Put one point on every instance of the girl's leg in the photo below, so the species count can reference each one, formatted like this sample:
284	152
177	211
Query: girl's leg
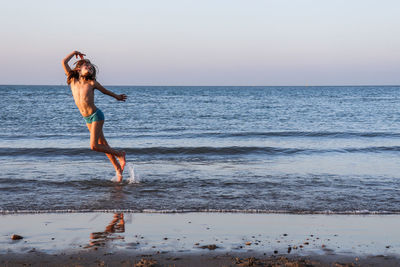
99	143
122	160
96	131
119	166
111	157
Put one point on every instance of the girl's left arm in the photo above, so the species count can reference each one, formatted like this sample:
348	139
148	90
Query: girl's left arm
99	87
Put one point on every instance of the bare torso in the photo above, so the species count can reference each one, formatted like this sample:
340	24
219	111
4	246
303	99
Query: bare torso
83	93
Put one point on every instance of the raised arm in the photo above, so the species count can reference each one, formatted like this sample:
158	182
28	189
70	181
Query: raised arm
65	61
99	87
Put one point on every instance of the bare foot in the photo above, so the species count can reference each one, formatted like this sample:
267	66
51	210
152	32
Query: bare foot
122	161
119	175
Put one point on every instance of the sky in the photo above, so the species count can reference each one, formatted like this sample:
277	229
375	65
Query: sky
204	42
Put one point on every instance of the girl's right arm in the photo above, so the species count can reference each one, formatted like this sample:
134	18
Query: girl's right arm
65	61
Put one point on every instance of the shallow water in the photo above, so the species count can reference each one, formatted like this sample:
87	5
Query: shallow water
251	149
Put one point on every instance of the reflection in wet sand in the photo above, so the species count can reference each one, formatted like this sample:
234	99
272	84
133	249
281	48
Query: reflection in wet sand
117	225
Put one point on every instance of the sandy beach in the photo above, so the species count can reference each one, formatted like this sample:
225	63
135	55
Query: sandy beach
198	239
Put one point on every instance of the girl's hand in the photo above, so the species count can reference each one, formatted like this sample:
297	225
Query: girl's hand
121	97
77	53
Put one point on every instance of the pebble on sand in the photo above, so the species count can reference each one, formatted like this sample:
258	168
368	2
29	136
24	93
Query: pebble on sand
16	237
210	247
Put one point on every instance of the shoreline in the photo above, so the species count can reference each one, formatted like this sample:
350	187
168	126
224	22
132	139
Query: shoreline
210	211
186	238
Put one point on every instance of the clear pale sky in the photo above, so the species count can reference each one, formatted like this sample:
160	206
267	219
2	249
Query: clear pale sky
204	42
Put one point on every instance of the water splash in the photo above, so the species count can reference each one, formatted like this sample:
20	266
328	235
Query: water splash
133	177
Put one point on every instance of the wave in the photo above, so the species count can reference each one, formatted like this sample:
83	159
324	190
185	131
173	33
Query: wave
161	134
184	151
305	134
172	211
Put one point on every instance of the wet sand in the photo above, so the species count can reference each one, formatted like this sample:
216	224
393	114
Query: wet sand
199	239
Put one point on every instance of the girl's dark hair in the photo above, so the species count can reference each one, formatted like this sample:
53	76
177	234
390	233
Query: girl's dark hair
74	74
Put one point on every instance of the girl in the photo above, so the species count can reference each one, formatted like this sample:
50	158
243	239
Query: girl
82	80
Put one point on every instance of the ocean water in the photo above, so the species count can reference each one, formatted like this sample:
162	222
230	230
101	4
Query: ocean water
246	149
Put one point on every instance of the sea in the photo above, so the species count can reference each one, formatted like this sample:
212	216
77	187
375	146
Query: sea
301	150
